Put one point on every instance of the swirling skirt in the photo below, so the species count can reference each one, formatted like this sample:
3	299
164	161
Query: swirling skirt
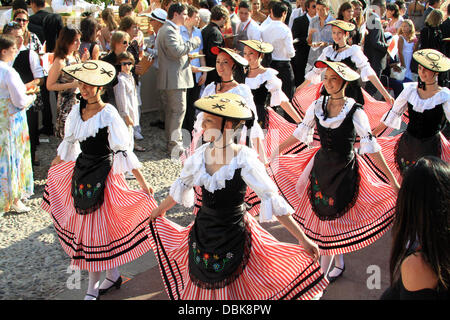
275	270
365	222
113	235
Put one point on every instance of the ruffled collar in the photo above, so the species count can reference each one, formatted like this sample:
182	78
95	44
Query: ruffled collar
337	119
217	180
339	56
81	130
419	104
256	82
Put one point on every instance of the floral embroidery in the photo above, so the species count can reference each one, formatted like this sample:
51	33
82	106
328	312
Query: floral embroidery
211	259
319	198
86	190
405	164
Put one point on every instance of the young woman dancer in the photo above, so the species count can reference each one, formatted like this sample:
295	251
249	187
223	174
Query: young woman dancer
340	202
428	108
100	221
225	254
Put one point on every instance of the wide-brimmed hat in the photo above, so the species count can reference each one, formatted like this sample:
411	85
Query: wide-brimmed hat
344	71
226	105
158	14
263	47
346	26
233	54
432	60
95	73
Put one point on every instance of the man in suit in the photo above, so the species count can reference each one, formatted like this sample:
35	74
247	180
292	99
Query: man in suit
375	46
213	38
300	32
174	75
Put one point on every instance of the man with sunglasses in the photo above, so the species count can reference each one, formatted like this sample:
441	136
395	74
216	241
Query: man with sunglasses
174	74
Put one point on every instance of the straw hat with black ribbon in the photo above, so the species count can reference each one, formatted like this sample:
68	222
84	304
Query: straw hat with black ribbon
346	26
432	60
96	73
262	47
228	106
233	54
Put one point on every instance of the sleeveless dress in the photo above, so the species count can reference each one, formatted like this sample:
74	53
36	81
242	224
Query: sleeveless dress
341	203
355	59
65	100
100	222
225	254
426	118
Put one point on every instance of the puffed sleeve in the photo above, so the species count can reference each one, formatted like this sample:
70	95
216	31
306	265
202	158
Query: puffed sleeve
255	176
393	118
182	189
447	109
362	63
305	130
69	148
368	143
277	96
119	139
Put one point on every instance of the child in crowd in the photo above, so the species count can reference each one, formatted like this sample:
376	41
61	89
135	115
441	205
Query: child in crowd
126	96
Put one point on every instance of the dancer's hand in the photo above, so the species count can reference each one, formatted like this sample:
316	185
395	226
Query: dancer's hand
311	248
148	190
389	99
56	161
157	212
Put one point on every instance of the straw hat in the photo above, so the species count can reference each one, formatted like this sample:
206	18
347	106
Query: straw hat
263	47
344	71
234	55
226	105
432	60
346	26
95	73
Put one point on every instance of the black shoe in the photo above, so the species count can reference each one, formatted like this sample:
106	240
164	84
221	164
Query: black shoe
332	279
46	131
116	284
36	163
95	297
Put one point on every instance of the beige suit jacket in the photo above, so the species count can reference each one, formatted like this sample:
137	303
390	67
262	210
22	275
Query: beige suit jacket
174	66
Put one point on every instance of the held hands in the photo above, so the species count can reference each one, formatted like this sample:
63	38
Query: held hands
157	212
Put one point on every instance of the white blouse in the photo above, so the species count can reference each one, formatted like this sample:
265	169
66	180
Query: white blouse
13	89
253	173
77	130
305	130
357	56
245	92
273	84
393	118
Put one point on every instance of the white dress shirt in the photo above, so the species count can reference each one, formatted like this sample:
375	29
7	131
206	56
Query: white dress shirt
279	36
253	29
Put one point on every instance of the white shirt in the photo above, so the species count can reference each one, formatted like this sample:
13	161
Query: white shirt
12	87
127	101
61	6
266	22
252	28
279	36
297	12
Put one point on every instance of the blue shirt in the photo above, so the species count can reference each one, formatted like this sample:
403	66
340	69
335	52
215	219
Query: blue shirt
195	33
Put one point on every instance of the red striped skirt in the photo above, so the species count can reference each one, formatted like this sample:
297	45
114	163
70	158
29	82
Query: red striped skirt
275	270
113	235
389	146
364	223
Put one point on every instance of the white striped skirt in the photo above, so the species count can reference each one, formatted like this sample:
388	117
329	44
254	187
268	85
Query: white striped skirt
115	234
363	224
275	270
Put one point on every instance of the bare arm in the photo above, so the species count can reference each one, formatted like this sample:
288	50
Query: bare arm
381	163
53	75
141	180
167	204
291	111
377	83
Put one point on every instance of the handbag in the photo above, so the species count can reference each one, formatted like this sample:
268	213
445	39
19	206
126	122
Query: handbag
400	76
145	64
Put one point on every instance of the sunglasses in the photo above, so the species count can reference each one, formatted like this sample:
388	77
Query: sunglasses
21	20
125	42
127	63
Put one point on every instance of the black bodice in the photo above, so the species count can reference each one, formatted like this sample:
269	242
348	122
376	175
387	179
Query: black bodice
427	123
341	139
97	145
261	98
